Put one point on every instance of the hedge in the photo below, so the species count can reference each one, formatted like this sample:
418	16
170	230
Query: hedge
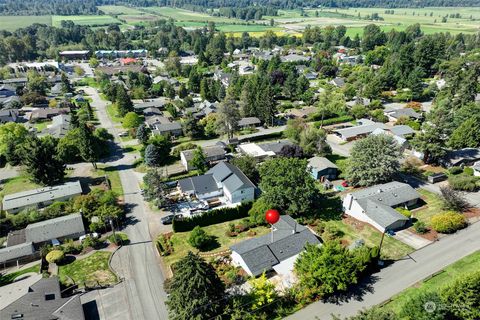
331	121
267	136
448	222
212	217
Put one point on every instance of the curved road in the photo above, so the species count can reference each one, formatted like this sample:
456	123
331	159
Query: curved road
138	262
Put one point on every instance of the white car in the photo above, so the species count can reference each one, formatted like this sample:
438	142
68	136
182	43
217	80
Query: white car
123	134
89	235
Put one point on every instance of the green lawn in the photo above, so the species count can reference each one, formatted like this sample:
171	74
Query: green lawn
42	125
112	113
12	23
181	246
90	270
17	184
87	20
118	10
6	279
187	15
433	206
466	265
391	248
113	177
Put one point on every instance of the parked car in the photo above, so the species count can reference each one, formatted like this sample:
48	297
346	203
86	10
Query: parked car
89	235
123	134
167	219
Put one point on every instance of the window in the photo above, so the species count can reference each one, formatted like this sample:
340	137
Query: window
49	296
17	316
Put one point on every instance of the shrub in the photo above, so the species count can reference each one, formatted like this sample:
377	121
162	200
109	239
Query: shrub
463	182
212	217
183	147
119	238
199	238
55	256
89	242
468	171
71	247
420	227
331	121
455	170
453	200
257	212
448	222
404	212
411	165
331	232
164	245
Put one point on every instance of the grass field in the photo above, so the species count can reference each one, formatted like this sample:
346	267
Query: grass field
113	10
186	15
17	184
12	23
90	270
85	20
451	273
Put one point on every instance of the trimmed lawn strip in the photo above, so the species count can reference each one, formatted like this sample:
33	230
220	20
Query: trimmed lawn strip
91	270
181	245
113	177
112	113
451	273
8	278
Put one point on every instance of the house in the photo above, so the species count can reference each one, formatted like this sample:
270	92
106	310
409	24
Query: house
224	77
8	115
41	197
7	90
59	127
276	251
74	54
365	128
113	70
57	89
151	112
12	255
249	122
65	227
462	157
41	114
154	121
212	153
375	205
246	69
476	169
38	298
402	131
394	115
168	80
322	168
171	129
264	150
338	82
128	60
293	57
111	54
12	102
402	142
153	103
224	179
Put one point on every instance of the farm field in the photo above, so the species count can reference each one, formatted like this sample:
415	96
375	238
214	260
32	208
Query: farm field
114	10
90	20
11	23
186	15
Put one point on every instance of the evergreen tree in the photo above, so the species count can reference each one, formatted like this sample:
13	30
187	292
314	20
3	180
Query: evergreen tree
66	86
153	156
467	135
196	291
124	104
143	133
87	145
40	158
228	115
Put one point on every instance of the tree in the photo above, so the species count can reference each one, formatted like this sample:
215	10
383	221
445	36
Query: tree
88	145
153	156
375	313
143	133
93	62
327	269
209	124
154	187
124	104
286	185
294	129
199	161
199	238
182	91
423	306
191	126
40	158
197	282
36	83
291	151
463	297
467	135
373	160
12	133
131	120
314	142
228	115
262	292
66	86
248	165
453	199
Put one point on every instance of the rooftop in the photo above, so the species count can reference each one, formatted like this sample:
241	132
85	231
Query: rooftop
321	163
55	228
230	176
210	152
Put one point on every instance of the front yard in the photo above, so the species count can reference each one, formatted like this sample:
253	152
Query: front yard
433	206
113	177
17	184
219	231
92	270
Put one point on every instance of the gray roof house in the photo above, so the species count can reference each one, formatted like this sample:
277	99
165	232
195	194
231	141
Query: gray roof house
460	157
402	130
69	226
224	179
13	253
263	150
476	169
338	82
212	153
41	300
375	205
59	127
249	122
277	250
394	115
13	203
321	167
172	129
8	115
355	132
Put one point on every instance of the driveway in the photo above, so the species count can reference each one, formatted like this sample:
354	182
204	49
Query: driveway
339	146
411	239
8	172
106	304
397	277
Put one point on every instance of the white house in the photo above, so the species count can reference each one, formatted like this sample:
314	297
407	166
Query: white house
224	179
277	250
375	205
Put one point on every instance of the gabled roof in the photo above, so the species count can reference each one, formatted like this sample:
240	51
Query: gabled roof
458	156
275	146
321	163
54	228
402	130
476	166
167	127
199	184
230	176
405	112
359	130
289	239
248	121
15	252
210	152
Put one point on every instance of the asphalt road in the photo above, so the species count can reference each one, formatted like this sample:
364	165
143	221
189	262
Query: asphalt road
398	276
137	263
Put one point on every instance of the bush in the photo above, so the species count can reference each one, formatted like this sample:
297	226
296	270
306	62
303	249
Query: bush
455	170
199	238
463	182
55	256
453	199
183	147
212	217
331	232
257	212
89	242
448	222
468	171
331	121
119	238
420	227
70	247
404	212
164	245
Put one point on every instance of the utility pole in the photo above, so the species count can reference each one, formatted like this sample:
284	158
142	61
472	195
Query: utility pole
113	229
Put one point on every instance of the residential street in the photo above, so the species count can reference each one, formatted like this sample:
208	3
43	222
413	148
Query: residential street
399	276
138	262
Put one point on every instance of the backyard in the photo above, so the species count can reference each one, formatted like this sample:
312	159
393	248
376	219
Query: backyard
7	279
17	184
92	270
219	231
